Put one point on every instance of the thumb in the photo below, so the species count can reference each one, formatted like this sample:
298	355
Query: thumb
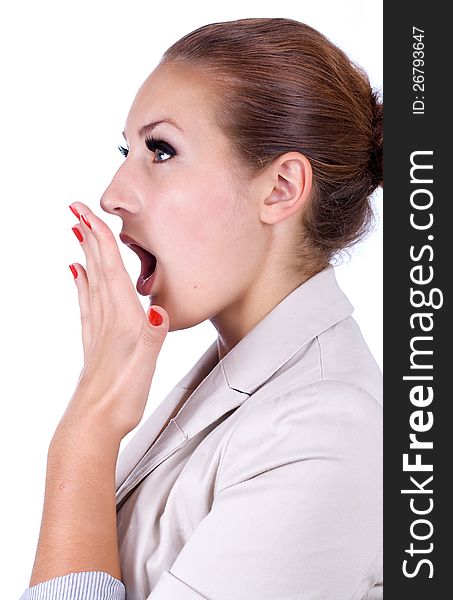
155	327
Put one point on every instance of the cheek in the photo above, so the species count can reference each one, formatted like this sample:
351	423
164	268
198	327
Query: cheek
203	224
198	215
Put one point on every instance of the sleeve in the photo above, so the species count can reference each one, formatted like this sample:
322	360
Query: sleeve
297	509
84	585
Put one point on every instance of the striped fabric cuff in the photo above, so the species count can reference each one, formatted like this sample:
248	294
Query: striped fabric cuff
85	585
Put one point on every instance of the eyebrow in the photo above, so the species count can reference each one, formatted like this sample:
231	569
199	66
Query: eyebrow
150	126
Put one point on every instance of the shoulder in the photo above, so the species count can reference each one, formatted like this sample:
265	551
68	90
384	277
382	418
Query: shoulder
330	420
345	355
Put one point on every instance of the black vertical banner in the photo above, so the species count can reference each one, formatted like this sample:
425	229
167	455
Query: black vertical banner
418	323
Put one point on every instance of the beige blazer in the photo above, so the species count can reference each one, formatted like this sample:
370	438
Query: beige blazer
267	484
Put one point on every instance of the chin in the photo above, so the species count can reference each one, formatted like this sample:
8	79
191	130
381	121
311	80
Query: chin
180	322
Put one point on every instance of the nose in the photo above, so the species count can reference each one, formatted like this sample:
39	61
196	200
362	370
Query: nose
111	200
119	197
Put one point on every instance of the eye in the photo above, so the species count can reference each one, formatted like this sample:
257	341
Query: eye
124	151
159	147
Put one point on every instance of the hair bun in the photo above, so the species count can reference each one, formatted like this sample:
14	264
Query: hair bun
376	163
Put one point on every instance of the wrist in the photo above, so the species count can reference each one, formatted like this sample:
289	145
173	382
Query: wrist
84	435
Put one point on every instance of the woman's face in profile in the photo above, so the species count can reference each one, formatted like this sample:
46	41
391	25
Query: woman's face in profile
179	199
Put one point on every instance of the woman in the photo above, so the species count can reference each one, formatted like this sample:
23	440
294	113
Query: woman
252	150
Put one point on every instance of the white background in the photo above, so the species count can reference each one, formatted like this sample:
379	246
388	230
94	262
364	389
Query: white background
69	73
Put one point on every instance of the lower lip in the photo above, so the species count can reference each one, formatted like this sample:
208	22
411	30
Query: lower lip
144	287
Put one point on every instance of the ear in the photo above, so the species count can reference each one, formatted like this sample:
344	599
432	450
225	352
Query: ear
291	179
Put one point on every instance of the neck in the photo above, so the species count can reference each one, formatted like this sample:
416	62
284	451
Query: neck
236	320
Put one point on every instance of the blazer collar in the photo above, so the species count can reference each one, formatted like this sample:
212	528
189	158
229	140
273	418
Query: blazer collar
307	311
311	308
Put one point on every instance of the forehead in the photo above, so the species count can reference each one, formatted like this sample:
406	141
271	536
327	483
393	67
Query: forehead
175	92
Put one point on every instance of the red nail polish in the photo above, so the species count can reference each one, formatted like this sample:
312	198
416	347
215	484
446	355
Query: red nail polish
75	211
85	220
73	271
78	235
154	317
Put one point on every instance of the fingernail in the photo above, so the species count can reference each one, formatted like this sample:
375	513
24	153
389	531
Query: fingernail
154	317
73	271
85	220
77	233
75	211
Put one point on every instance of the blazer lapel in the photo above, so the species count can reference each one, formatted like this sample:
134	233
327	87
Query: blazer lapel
146	435
143	453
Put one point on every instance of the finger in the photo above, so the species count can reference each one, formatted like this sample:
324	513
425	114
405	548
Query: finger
117	281
94	285
91	248
99	296
81	282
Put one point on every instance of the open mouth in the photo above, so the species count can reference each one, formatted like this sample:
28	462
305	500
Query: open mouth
148	265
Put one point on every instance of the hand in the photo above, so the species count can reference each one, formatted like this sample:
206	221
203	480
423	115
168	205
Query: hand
120	345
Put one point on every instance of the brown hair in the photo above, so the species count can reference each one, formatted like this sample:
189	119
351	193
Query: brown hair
282	86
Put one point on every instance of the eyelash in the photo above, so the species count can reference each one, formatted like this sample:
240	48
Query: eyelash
153	145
